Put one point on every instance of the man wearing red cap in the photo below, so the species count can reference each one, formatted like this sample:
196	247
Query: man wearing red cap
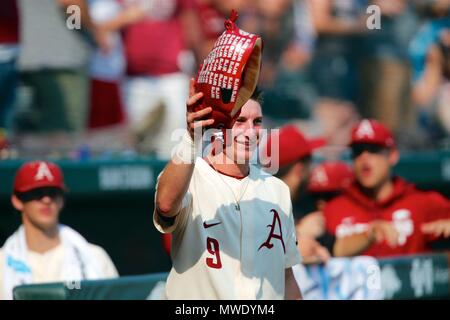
293	168
294	157
381	215
232	224
327	181
42	250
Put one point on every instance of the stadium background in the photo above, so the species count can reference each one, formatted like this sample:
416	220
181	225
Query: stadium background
112	185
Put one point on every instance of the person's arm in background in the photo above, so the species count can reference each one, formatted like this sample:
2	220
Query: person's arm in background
426	88
176	176
99	33
438	219
129	15
439	228
324	21
356	244
312	251
291	289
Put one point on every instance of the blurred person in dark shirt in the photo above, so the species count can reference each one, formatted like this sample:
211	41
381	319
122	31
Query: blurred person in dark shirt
385	68
289	36
340	26
429	52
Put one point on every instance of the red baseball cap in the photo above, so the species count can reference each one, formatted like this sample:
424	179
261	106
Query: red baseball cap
372	132
293	145
38	174
330	177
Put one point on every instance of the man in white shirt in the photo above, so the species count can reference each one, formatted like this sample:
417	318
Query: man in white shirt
42	250
232	224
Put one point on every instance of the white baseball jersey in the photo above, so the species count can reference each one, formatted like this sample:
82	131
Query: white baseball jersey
220	251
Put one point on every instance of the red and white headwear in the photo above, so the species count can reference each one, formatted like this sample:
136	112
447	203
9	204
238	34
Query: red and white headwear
290	145
330	177
229	74
369	131
38	174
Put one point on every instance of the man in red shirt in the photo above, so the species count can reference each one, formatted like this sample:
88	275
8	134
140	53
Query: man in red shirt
381	215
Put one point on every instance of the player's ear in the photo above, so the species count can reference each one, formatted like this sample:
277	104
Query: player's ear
394	156
17	204
62	203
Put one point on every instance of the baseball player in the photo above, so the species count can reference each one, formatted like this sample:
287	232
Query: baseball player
379	214
42	250
232	223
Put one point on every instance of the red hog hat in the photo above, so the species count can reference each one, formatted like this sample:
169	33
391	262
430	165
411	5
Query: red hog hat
229	74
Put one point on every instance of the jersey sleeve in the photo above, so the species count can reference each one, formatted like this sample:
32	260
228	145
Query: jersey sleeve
292	256
170	225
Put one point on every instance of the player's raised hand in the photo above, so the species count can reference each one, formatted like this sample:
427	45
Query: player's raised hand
384	231
438	228
196	119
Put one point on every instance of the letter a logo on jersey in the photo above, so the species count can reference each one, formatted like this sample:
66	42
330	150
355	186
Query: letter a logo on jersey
43	172
272	234
365	130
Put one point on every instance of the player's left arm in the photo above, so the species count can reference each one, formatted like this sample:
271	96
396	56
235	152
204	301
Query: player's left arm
291	289
438	219
439	228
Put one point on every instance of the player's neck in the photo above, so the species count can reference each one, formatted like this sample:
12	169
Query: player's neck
383	191
226	166
40	240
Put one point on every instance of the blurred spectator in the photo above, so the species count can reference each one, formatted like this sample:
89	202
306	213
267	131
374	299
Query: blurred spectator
53	62
295	155
385	68
339	26
42	250
212	15
430	61
158	37
9	50
288	35
106	71
381	215
334	119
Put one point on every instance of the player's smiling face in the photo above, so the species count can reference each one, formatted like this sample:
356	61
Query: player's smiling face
246	131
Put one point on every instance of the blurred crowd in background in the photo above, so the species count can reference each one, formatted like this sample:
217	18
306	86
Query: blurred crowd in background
117	83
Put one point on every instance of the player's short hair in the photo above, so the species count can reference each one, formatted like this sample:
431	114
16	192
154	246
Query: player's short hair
284	170
257	95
